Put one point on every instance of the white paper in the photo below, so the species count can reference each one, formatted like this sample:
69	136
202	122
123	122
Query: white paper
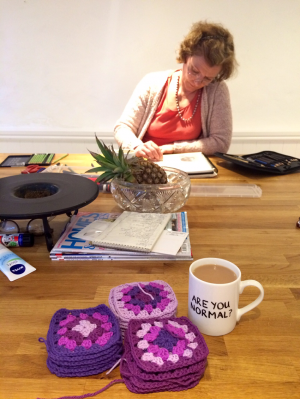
93	230
169	242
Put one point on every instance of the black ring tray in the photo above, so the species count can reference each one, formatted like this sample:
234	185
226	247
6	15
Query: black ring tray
68	193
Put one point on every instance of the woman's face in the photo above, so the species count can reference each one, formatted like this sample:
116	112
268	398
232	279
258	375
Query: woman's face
197	73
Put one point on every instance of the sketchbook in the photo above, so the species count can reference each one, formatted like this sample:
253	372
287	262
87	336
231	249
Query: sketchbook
195	164
134	231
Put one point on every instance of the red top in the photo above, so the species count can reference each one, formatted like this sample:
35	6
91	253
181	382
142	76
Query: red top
166	126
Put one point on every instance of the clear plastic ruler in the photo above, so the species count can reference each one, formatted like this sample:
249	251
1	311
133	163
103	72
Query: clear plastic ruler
226	190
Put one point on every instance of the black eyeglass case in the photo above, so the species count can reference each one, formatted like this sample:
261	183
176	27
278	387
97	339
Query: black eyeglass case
264	161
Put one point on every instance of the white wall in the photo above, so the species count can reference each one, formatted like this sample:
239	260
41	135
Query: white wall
68	67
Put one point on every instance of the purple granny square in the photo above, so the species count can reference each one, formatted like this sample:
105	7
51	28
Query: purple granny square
165	344
143	300
130	368
138	385
83	341
163	355
80	332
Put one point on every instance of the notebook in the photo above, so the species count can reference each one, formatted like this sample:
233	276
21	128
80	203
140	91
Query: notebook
134	231
195	164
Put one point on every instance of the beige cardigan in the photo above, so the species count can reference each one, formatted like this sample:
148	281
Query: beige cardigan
139	111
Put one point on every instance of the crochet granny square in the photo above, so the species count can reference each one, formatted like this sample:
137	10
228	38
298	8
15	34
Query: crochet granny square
142	300
82	342
165	354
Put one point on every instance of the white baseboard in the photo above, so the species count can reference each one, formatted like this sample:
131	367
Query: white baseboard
57	142
247	143
81	142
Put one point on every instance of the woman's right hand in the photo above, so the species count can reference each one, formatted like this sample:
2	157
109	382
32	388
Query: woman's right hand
149	150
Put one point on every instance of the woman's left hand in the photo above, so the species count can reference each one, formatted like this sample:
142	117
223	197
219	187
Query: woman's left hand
167	149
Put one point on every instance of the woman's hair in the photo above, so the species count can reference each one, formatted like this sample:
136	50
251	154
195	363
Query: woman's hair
212	41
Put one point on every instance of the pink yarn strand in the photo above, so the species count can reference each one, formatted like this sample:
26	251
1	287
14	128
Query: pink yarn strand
114	366
90	395
145	292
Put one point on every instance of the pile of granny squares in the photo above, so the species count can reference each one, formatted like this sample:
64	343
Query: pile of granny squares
163	355
160	352
83	342
141	301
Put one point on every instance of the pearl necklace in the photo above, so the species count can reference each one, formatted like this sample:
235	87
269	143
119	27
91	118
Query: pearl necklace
177	104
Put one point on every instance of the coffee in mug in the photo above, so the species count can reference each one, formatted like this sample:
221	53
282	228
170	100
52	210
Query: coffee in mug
215	274
214	289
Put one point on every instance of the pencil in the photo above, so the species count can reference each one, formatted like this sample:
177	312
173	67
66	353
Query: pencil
59	159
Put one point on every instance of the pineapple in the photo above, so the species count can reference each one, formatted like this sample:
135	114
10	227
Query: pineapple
133	170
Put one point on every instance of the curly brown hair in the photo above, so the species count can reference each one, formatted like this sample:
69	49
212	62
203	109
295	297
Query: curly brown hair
212	41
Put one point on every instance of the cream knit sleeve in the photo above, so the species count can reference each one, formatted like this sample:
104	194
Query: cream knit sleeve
127	127
216	118
140	109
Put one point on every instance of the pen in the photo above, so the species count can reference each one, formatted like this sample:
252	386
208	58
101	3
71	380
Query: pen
248	161
266	161
258	161
59	159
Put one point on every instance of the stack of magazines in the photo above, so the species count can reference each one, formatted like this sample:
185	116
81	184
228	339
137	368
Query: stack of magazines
71	247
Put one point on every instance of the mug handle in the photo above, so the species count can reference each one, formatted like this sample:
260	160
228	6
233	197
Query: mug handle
253	304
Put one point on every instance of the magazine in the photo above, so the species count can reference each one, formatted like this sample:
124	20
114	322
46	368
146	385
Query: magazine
71	247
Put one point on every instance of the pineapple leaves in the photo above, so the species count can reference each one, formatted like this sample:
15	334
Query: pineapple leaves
96	170
122	158
117	161
105	177
97	157
106	152
103	161
115	164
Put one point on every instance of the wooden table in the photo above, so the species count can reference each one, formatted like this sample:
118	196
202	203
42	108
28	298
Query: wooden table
259	359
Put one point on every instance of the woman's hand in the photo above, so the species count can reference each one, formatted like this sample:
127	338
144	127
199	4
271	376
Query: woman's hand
167	149
149	150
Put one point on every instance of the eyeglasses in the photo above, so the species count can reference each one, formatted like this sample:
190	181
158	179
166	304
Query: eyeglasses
34	226
197	76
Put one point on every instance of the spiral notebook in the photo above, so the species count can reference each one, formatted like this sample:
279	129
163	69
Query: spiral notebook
134	231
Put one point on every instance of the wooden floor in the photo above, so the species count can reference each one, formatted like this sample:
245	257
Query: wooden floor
259	359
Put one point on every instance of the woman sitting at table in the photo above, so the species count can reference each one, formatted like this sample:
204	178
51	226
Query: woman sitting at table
188	109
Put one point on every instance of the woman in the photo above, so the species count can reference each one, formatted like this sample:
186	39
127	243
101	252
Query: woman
188	109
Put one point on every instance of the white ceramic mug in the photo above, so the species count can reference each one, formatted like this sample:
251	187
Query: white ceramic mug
213	308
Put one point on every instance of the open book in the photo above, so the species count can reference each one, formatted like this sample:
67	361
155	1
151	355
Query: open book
134	231
195	164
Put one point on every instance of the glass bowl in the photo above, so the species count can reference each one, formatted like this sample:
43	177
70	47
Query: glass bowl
153	198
